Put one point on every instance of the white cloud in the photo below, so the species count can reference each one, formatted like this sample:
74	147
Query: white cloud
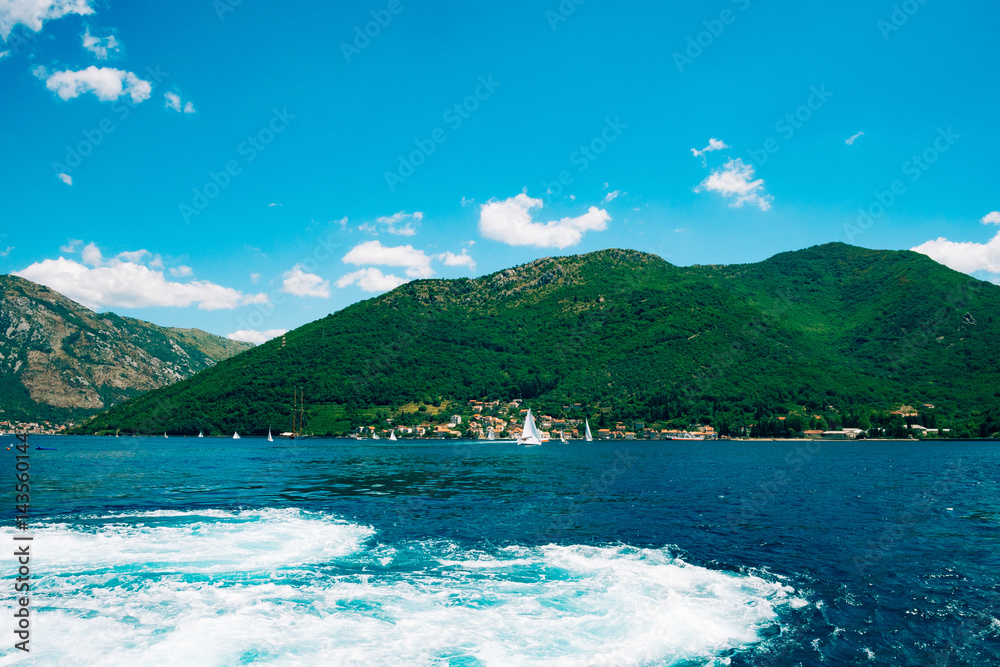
368	228
92	255
462	259
713	145
105	82
965	257
850	140
509	221
32	13
300	283
134	256
371	280
4	54
71	245
273	204
735	180
174	102
6	251
181	271
611	196
256	337
416	262
129	285
156	262
391	223
66	178
101	47
991	218
254	277
466	202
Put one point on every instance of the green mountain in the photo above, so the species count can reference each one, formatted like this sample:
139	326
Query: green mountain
60	360
831	335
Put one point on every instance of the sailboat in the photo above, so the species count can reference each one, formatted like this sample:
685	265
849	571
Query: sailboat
392	436
164	434
236	435
491	436
375	436
298	405
269	438
529	434
201	434
562	437
588	437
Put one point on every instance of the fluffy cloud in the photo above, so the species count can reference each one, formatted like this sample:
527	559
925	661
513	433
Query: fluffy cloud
371	280
992	218
713	145
71	245
392	222
735	180
129	285
300	283
32	13
509	221
182	271
66	178
101	47
850	140
462	259
416	262
92	255
256	337
174	102
964	257
105	82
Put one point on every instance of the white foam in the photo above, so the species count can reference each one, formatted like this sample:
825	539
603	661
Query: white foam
290	587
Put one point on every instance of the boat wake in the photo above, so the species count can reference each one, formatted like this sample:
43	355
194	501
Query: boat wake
294	587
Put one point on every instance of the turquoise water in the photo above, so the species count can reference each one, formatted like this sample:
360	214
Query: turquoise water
213	551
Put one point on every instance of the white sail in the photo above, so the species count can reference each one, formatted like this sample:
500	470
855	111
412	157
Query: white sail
201	434
375	436
164	435
529	434
392	436
236	435
269	438
491	436
562	436
588	436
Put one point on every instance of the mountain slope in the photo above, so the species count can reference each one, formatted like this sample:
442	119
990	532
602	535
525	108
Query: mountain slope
60	360
628	335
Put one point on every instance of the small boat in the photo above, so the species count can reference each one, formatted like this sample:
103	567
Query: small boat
491	436
46	449
165	435
269	438
236	435
562	437
201	434
375	436
529	434
392	436
685	435
587	436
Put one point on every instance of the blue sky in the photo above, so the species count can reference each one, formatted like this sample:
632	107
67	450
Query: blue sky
241	166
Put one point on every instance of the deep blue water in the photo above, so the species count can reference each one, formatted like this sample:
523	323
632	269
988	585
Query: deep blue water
214	551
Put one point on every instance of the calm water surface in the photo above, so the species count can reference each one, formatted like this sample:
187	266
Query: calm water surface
214	551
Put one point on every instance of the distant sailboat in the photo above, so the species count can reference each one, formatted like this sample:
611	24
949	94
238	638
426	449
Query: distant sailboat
236	435
529	434
491	436
164	434
392	436
588	437
201	434
269	438
375	436
562	437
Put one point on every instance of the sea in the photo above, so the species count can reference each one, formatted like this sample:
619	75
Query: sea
211	551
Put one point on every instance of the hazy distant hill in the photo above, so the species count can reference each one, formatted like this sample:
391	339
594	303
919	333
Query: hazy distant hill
59	359
832	330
